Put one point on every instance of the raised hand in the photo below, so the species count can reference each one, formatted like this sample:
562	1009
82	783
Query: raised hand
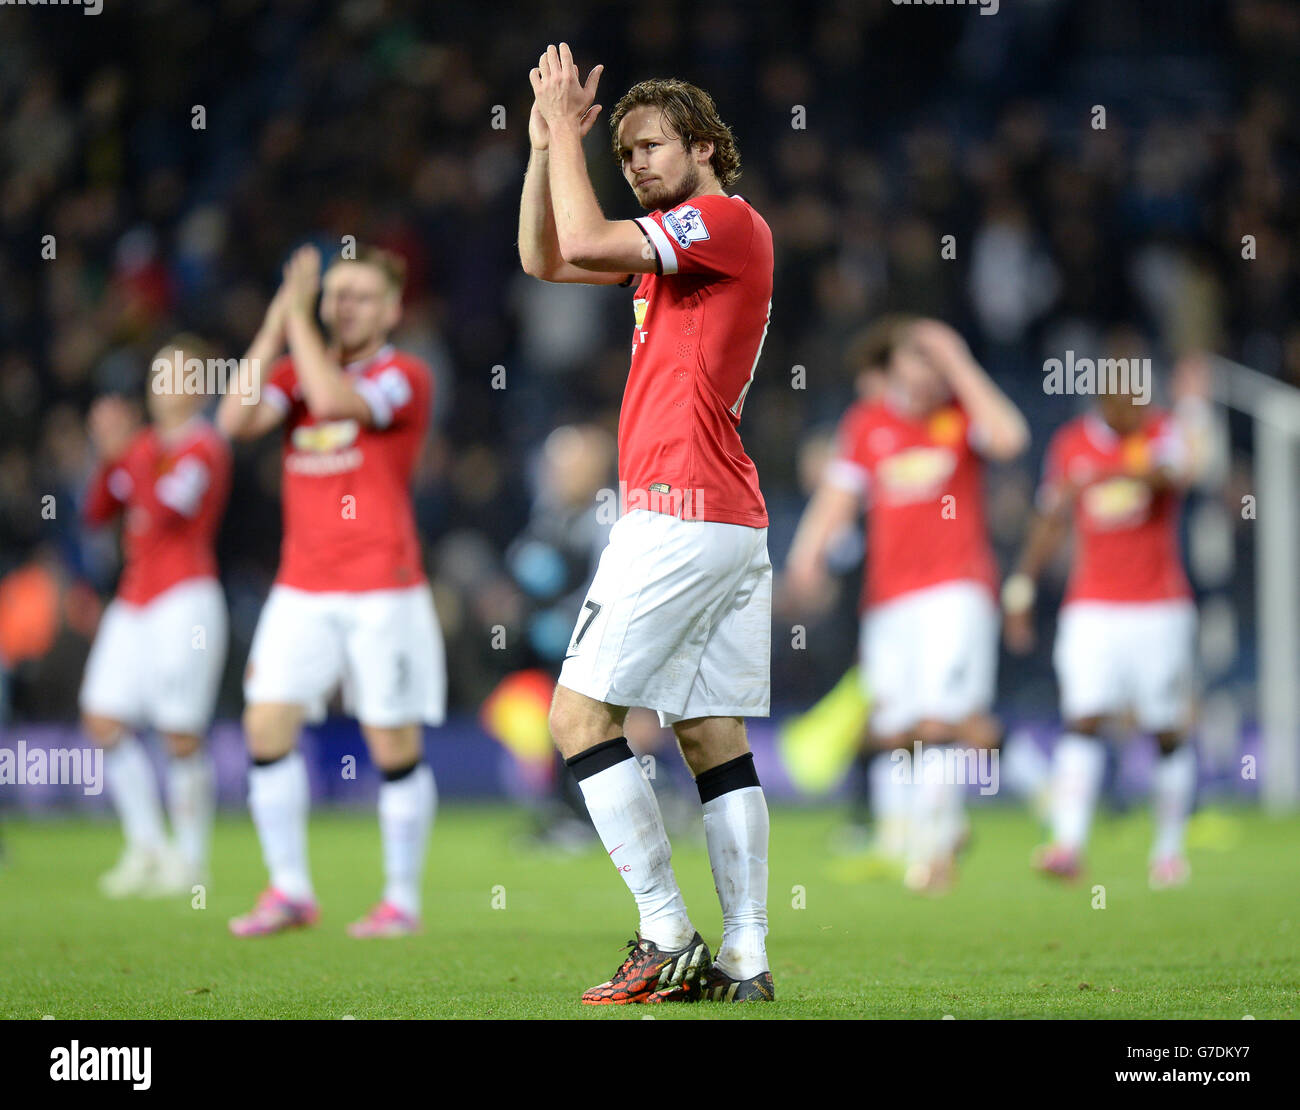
111	424
560	97
301	279
539	135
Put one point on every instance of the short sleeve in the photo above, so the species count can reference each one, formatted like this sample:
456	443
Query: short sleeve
1169	446
280	385
392	392
847	470
707	235
1048	497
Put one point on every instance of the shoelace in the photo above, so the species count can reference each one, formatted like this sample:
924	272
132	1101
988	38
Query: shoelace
634	947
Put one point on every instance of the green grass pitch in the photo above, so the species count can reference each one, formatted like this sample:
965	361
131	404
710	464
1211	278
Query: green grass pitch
1004	943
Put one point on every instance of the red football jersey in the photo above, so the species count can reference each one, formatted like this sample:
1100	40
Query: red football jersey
174	493
700	326
923	484
348	521
1126	536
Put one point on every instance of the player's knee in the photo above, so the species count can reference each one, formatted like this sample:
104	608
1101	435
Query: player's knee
104	732
182	745
890	741
578	723
392	749
561	720
270	730
982	730
931	731
1086	726
693	745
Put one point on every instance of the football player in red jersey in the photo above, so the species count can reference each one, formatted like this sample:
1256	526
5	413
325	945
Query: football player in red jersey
929	616
350	605
1125	641
678	615
160	649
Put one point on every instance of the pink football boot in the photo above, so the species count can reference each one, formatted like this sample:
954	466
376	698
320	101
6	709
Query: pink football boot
1167	872
385	920
274	913
1059	861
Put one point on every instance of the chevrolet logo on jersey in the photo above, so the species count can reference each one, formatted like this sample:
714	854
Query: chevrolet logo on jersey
917	474
330	436
1117	502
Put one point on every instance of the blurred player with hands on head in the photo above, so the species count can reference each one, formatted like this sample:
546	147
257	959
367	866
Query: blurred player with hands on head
913	452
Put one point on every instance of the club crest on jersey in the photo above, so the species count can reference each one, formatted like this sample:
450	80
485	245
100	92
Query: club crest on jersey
1136	453
686	224
945	427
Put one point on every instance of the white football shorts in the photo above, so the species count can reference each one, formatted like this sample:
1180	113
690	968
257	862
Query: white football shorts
678	619
1116	656
383	647
931	654
159	665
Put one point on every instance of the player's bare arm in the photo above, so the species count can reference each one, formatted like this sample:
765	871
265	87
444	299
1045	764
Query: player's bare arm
111	426
237	417
1048	531
112	423
539	248
1002	429
586	239
325	388
832	508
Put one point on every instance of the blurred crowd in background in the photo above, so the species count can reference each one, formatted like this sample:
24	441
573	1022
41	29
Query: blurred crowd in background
176	152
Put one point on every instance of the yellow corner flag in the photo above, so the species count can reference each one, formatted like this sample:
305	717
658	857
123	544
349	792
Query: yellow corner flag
818	746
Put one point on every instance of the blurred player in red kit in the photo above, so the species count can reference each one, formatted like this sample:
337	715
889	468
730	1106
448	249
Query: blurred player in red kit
678	615
1125	640
161	646
929	615
350	605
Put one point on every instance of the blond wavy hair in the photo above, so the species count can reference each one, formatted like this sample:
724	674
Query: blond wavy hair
689	115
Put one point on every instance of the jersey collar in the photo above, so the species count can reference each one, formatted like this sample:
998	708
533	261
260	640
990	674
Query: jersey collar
1103	436
182	433
363	364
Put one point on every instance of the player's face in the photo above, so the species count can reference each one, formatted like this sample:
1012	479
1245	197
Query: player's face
358	306
660	170
1121	412
167	404
917	385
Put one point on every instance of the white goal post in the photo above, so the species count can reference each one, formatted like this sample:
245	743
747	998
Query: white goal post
1274	407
